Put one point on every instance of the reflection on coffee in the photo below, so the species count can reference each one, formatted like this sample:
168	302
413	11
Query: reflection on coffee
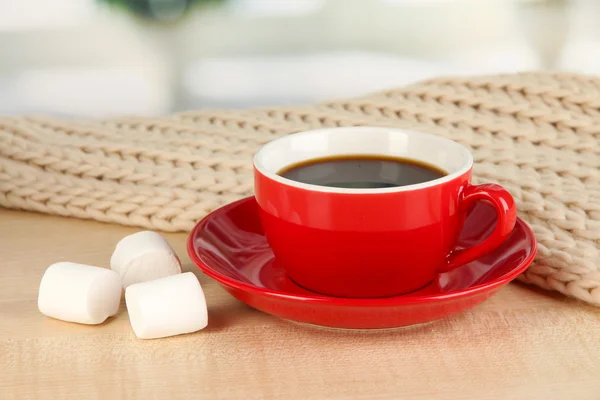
361	172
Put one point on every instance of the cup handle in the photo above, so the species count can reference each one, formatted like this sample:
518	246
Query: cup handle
506	214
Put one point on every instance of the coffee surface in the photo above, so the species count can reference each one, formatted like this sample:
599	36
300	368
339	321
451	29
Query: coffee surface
361	172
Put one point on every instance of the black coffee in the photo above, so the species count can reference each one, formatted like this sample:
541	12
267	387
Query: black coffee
361	172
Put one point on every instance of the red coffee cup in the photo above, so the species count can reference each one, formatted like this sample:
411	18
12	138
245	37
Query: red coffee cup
372	242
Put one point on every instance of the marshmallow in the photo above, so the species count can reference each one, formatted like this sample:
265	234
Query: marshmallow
142	257
79	293
166	307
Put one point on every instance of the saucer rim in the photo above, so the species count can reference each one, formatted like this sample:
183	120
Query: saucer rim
317	298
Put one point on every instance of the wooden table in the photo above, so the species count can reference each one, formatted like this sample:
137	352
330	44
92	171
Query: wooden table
523	343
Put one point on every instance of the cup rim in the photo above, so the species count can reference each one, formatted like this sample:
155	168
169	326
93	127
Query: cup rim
260	167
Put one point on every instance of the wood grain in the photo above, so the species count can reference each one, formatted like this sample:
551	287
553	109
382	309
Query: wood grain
522	343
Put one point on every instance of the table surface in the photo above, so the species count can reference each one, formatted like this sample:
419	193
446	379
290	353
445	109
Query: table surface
522	343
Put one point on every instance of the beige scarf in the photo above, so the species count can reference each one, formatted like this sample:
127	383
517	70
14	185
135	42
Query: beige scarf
536	134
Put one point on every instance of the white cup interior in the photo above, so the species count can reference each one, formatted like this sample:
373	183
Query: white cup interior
438	151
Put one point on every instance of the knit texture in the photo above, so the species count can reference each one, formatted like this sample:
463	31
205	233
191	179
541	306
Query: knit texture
537	134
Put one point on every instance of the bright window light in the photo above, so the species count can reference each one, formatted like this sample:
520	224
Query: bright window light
32	14
276	7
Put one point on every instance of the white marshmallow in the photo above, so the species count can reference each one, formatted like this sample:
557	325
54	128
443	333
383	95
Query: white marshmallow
144	256
166	307
79	293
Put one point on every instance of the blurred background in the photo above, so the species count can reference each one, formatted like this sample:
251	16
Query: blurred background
102	58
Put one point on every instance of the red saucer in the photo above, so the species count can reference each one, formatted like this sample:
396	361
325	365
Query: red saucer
229	246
